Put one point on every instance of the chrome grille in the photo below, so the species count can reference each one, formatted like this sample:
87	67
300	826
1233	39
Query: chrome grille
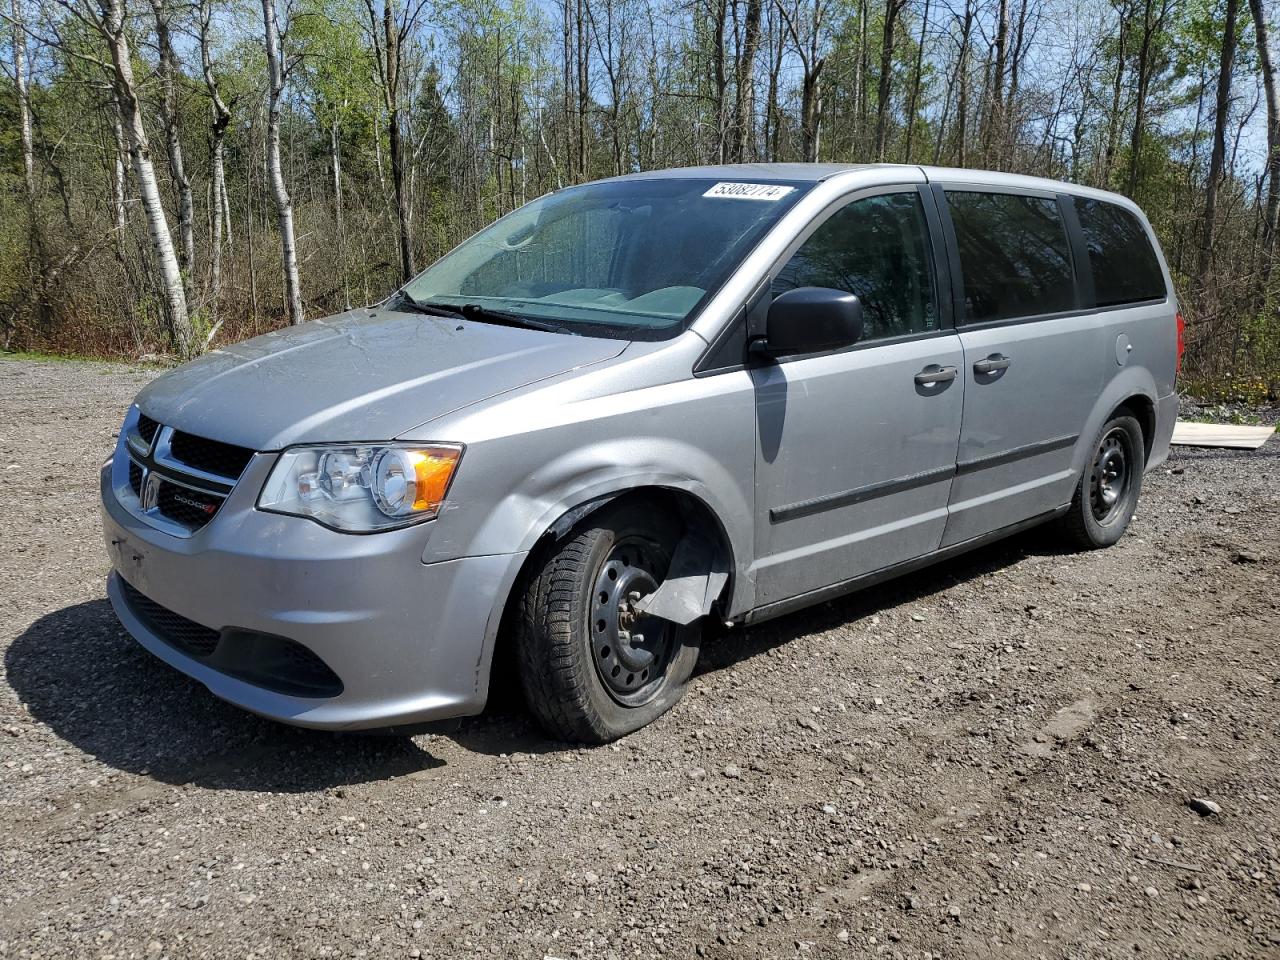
178	481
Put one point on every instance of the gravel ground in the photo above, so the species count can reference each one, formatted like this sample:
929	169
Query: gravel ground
993	758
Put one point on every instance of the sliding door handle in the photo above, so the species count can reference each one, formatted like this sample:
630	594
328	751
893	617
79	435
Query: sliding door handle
997	361
935	374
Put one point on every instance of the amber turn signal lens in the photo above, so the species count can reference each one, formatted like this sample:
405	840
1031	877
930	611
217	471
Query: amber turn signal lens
432	471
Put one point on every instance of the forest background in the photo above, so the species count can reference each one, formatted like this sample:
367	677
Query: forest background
176	174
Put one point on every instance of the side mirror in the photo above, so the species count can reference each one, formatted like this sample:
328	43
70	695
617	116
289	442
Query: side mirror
812	319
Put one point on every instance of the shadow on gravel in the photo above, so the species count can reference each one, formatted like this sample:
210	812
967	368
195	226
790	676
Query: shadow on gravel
723	648
78	672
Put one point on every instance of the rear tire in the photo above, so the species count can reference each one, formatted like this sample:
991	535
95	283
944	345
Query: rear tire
592	671
1107	494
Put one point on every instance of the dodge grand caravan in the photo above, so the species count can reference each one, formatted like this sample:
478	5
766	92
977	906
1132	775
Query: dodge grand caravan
629	407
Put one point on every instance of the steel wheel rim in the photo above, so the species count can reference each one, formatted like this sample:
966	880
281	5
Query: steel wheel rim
631	652
1110	476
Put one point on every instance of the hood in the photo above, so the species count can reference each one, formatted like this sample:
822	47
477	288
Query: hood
363	375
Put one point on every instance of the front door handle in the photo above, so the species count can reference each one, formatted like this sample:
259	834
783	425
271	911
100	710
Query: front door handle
997	361
935	374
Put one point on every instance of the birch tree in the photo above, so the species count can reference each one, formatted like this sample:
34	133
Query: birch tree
219	216
166	74
277	73
109	20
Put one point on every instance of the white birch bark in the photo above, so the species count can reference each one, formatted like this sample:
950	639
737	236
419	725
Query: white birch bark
166	71
219	215
24	102
284	206
109	17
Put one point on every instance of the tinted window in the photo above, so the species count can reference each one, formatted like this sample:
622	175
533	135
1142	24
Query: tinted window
1014	255
877	248
1125	268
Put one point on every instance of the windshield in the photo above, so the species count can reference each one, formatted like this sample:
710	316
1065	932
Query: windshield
629	259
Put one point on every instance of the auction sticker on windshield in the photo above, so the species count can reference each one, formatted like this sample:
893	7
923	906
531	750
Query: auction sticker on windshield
749	191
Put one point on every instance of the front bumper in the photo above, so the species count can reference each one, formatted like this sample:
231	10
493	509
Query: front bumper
410	642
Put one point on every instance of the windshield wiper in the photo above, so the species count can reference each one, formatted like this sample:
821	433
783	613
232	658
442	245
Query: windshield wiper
478	313
481	314
404	300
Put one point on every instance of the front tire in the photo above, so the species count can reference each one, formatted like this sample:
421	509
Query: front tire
1107	494
593	670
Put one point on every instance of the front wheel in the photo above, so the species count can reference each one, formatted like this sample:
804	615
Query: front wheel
1107	495
591	667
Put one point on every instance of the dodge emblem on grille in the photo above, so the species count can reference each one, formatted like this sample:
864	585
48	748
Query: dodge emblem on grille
192	502
150	492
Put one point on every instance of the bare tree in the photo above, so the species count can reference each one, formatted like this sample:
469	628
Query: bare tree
23	90
1217	158
808	40
109	19
1154	14
913	102
277	73
166	73
892	9
1270	227
744	108
994	120
221	120
389	36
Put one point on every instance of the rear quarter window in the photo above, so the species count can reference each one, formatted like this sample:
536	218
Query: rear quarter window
1014	255
1125	266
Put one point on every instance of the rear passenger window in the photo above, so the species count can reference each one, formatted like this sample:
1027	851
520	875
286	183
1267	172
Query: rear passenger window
1125	267
1014	255
876	248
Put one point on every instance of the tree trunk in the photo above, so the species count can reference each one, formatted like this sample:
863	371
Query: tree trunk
284	206
891	10
166	71
391	80
995	100
962	79
1217	158
339	224
220	214
24	103
744	111
112	26
1270	226
1107	160
811	111
914	100
1150	30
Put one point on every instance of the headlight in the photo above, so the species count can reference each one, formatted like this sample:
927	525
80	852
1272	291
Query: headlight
361	488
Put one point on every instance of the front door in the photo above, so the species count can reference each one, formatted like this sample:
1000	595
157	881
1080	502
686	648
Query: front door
856	449
1033	361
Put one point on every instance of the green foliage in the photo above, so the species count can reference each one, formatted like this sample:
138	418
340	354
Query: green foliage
490	116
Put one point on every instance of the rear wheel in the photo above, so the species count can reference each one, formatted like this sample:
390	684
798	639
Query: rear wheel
1107	495
592	668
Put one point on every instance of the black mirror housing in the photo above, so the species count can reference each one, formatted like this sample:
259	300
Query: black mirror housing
812	319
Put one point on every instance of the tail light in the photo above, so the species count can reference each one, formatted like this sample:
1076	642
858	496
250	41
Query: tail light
1182	342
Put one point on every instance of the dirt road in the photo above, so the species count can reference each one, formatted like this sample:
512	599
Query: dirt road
992	758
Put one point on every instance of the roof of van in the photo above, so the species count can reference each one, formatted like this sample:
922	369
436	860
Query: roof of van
816	172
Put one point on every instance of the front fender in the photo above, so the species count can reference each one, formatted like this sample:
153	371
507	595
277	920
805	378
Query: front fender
516	522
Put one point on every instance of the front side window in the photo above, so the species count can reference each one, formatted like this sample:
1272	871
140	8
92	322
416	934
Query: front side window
878	249
628	259
1125	268
1014	255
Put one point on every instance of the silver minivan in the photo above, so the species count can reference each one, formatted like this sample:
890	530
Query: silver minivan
626	409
